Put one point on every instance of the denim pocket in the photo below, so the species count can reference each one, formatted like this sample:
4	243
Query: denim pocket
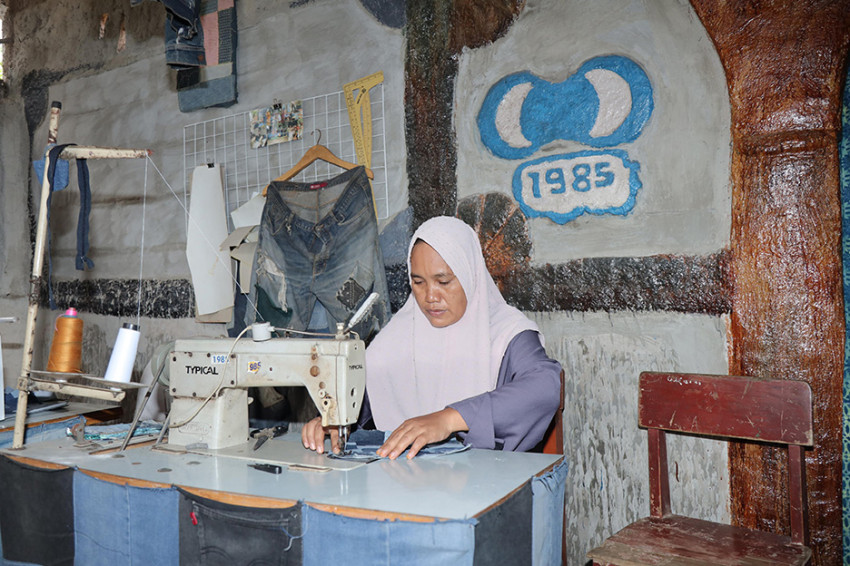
220	534
356	210
276	217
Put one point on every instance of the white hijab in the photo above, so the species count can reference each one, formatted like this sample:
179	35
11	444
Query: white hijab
413	368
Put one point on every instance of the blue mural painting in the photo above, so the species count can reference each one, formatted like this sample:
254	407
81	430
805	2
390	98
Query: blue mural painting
607	102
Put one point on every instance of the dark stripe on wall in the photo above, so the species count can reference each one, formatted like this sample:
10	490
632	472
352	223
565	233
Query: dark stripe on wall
169	298
685	284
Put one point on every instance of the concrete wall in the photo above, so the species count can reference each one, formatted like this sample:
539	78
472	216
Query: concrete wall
289	50
683	151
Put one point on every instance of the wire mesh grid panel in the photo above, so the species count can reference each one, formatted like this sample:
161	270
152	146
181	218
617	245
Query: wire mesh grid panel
247	170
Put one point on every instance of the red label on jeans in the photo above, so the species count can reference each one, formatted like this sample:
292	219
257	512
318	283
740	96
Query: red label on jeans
315	186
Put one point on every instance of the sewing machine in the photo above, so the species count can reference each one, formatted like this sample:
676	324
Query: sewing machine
209	380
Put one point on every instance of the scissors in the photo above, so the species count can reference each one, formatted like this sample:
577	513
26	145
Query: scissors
266	433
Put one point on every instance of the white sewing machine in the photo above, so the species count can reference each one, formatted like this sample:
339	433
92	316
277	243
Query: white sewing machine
209	380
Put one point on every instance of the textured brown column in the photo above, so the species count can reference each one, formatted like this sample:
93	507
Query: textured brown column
436	32
784	66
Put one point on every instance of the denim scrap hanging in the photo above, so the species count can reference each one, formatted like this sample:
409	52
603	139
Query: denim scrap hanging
200	44
55	179
214	83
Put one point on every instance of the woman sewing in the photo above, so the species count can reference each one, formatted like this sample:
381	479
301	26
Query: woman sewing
456	358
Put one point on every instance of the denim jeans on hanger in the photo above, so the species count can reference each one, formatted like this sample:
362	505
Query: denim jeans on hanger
319	241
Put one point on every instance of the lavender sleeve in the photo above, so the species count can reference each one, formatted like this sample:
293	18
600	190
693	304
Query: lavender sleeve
515	415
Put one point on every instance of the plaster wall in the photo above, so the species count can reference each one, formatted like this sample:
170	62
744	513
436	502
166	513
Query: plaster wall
14	238
607	482
683	151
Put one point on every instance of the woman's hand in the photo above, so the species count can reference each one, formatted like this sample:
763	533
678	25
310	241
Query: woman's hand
313	436
419	431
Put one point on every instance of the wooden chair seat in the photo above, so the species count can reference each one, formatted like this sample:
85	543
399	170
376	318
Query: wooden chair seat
686	541
735	408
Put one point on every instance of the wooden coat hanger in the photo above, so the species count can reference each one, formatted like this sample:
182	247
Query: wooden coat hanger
318	151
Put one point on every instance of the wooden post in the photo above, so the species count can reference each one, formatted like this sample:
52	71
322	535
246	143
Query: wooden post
784	66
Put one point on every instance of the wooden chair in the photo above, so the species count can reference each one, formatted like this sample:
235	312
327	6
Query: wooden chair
553	440
743	408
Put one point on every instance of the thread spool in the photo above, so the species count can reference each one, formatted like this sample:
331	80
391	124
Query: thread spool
67	346
261	331
123	356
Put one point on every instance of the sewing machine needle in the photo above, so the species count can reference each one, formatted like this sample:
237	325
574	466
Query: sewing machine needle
343	438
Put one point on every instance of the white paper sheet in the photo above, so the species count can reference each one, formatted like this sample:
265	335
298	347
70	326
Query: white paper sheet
209	265
250	213
242	245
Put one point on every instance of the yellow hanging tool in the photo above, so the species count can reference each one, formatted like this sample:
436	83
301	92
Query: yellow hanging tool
360	114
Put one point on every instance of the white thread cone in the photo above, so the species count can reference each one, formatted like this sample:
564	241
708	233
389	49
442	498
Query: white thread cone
123	356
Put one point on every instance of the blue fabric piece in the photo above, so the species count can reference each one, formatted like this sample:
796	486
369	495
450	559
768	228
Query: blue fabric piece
363	444
37	513
6	562
185	10
62	172
42	432
548	515
213	84
220	92
53	158
503	534
844	164
82	260
367	541
184	37
34	403
122	524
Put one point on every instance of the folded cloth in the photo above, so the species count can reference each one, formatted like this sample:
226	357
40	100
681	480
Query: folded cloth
362	445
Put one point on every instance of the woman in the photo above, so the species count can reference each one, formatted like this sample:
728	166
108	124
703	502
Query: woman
456	358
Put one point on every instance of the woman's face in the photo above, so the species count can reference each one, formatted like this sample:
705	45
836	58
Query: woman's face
436	289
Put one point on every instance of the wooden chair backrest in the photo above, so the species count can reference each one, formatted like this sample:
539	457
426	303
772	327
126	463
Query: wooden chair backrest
553	441
733	407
